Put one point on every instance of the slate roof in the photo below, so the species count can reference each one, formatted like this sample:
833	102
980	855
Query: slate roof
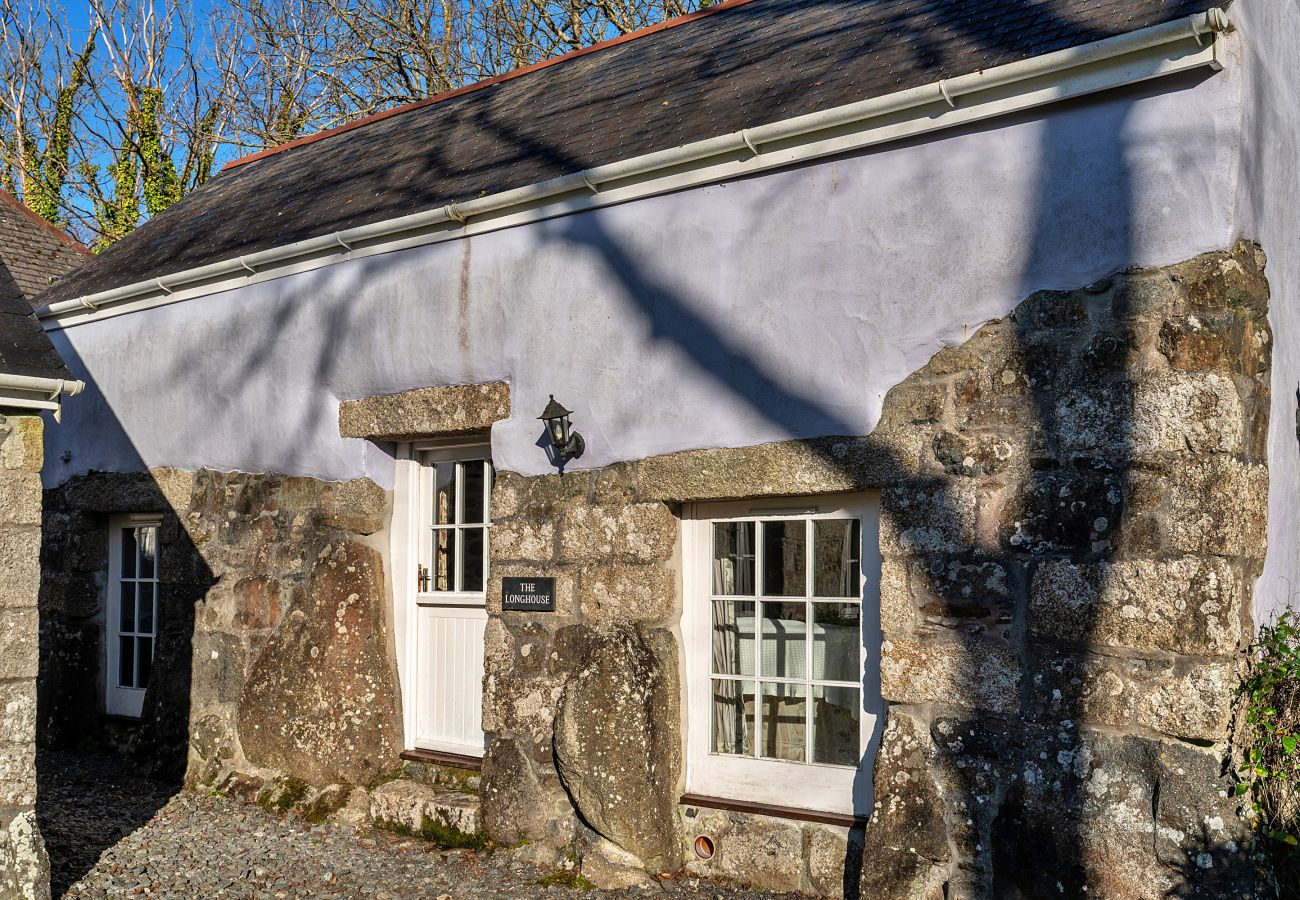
32	254
746	63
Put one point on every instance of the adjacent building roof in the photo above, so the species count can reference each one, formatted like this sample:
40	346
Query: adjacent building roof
733	66
33	254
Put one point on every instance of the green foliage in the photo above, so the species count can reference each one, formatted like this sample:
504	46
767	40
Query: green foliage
1270	771
48	169
162	186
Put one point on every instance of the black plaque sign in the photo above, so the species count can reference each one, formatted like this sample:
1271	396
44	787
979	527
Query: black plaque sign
528	594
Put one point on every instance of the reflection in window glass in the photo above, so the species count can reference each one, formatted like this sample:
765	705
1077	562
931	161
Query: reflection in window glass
146	607
837	641
444	560
126	662
126	621
837	713
785	558
733	717
733	637
837	565
128	552
145	656
475	510
784	721
444	493
148	538
785	646
733	559
472	577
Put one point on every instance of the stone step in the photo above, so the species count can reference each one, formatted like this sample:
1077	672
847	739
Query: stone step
415	805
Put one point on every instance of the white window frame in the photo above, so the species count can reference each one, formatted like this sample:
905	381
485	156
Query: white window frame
119	700
412	547
801	785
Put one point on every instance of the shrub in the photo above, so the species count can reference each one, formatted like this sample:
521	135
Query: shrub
1270	769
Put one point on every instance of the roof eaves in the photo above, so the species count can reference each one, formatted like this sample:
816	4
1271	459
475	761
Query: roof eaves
52	229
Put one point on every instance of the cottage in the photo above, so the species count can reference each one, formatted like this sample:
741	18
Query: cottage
822	444
32	379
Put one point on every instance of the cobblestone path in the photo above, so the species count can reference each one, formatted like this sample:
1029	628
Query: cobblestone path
112	833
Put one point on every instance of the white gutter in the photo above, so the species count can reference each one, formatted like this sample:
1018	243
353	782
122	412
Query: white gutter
27	392
1148	53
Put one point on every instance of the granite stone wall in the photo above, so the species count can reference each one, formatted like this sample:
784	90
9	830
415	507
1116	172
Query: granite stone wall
274	657
1066	593
1073	510
24	868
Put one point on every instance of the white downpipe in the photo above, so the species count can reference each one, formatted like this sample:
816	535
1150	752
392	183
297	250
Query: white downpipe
530	202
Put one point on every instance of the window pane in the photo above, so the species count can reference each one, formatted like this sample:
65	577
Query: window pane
837	546
126	616
733	558
475	509
444	559
128	552
784	645
148	551
145	618
145	650
733	717
836	718
785	558
784	721
837	642
444	493
471	578
733	637
126	662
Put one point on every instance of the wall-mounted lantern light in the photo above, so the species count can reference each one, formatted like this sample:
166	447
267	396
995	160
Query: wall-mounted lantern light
566	443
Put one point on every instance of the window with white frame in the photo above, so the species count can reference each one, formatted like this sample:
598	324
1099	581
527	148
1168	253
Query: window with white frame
778	693
458	491
132	625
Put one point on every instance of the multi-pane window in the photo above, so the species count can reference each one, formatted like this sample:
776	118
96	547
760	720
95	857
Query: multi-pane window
131	629
137	605
781	622
786	613
456	547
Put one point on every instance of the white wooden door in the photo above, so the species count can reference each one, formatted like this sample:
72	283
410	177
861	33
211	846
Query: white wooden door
450	608
449	676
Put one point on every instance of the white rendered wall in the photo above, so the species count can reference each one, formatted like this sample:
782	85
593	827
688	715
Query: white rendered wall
1270	201
774	307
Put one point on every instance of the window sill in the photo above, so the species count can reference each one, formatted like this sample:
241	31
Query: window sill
776	812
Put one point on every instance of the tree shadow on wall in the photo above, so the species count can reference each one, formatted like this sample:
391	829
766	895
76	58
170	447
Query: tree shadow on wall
99	777
1007	809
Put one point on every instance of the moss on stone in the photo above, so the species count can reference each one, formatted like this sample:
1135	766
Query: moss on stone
289	794
381	780
327	803
442	834
570	878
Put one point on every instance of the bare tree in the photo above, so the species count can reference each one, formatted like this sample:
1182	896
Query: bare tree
101	130
41	78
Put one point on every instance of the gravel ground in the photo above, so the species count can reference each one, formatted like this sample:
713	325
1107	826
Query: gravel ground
113	833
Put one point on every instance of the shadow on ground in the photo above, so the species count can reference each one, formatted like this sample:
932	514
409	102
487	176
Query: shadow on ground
86	803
